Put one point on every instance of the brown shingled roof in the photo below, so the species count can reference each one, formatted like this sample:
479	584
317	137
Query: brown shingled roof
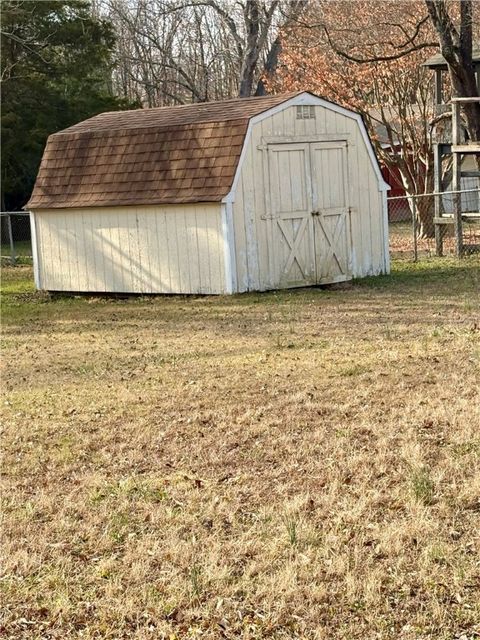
147	156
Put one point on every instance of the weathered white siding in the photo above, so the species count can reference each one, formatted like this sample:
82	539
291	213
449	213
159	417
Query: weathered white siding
253	207
149	249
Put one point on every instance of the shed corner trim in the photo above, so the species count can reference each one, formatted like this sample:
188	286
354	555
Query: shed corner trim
229	246
36	265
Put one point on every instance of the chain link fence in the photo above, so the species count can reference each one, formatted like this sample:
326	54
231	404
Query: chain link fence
16	242
420	228
416	229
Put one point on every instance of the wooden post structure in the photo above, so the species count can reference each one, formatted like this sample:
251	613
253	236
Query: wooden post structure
459	148
456	179
438	87
437	187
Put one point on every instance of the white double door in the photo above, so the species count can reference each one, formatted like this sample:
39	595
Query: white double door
309	221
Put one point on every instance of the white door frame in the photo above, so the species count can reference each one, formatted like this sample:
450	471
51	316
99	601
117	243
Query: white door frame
314	223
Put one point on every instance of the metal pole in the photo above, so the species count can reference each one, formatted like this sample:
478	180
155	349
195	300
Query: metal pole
10	239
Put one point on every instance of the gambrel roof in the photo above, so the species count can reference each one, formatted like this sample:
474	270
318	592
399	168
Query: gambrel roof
163	155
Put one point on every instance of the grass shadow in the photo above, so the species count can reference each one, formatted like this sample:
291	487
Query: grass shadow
456	276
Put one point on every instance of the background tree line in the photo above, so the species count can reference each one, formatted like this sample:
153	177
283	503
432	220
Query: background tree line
56	70
66	60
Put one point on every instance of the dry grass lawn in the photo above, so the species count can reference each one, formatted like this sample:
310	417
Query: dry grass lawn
302	464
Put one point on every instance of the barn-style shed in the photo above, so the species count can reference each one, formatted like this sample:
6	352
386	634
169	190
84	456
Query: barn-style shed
241	195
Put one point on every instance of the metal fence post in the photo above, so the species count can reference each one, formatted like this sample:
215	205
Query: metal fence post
414	230
10	239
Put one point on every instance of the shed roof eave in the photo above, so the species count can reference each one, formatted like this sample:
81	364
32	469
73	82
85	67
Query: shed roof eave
38	208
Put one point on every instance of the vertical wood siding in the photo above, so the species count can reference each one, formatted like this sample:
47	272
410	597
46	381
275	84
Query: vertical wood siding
164	249
252	207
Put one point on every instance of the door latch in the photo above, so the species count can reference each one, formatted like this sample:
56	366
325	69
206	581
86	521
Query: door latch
315	213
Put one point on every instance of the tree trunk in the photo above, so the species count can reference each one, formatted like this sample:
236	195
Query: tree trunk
421	207
250	61
271	64
425	210
456	48
294	10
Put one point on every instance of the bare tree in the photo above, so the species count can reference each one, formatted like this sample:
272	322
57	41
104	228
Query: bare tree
175	52
257	30
295	8
164	56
